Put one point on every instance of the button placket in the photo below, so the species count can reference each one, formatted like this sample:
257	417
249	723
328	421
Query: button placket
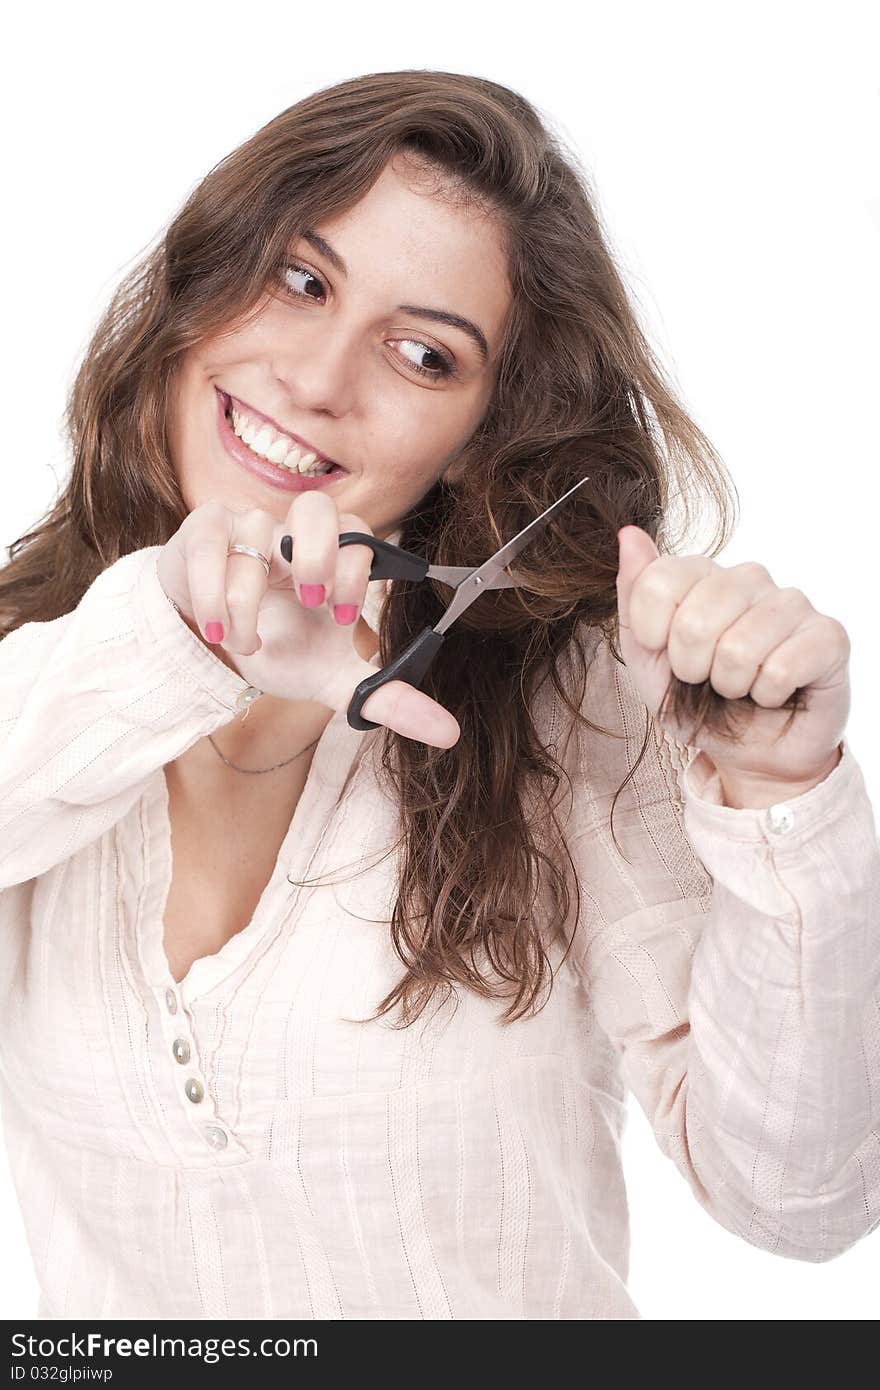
182	1047
183	1050
196	1092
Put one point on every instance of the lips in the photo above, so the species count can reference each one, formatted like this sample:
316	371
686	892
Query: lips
254	414
280	479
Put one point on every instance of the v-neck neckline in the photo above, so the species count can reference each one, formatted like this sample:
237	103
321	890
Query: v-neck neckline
334	757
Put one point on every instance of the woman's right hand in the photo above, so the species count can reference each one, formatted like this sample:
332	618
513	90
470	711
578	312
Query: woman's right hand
270	637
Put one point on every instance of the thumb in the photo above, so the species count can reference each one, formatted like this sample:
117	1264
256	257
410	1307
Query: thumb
409	711
397	704
636	551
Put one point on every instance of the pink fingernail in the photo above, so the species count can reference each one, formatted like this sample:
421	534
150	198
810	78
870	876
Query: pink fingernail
345	612
312	594
214	632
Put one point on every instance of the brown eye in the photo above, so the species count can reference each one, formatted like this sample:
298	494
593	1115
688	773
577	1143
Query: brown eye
291	268
442	367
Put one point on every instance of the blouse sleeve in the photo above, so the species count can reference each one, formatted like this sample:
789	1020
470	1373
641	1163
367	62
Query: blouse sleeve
733	958
91	704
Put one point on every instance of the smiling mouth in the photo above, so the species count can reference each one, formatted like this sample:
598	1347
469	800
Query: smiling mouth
273	445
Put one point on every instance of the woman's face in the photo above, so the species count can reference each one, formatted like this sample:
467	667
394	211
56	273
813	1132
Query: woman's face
339	366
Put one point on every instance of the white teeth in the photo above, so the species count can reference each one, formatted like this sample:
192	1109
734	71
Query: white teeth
277	452
276	448
262	442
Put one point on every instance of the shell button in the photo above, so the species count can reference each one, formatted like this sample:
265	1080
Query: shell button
780	818
245	698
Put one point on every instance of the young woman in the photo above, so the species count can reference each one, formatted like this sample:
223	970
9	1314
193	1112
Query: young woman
300	1021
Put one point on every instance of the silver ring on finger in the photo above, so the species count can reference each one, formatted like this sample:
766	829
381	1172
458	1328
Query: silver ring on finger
249	550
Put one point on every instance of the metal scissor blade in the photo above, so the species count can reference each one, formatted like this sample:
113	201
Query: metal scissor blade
453	575
482	578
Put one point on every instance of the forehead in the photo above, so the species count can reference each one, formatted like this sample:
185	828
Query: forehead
416	238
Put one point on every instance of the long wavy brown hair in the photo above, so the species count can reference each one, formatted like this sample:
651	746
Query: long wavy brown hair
578	391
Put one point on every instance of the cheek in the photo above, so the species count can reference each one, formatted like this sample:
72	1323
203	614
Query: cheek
195	450
423	430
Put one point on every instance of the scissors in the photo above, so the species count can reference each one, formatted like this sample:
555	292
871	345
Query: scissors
390	562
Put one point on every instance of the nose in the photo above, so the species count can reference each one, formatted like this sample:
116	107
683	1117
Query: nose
318	372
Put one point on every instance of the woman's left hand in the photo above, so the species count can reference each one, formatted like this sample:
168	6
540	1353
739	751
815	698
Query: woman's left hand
689	617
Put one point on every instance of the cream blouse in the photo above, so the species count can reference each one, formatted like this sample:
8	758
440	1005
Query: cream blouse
236	1146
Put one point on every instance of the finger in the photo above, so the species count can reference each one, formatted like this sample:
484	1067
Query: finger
411	712
813	655
748	642
398	705
656	593
313	523
204	558
712	606
636	551
246	578
353	565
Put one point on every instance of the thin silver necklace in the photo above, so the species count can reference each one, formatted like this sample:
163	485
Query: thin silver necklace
258	770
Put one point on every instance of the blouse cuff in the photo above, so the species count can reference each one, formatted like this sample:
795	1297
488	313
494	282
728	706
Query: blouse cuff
785	825
185	653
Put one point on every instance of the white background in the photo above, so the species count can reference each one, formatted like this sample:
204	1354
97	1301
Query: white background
733	148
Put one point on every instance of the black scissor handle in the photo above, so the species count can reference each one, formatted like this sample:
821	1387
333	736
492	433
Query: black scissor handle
409	666
389	561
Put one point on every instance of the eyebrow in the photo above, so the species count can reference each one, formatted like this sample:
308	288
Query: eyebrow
435	315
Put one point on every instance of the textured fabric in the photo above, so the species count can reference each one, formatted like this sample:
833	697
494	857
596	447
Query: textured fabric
725	970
